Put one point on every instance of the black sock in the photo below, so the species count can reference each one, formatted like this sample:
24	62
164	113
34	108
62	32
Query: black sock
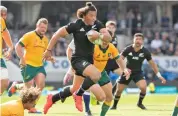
114	88
87	83
141	97
116	100
62	94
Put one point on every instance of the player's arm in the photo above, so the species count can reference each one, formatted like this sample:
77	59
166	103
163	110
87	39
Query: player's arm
154	66
120	61
156	70
61	33
19	48
7	38
105	35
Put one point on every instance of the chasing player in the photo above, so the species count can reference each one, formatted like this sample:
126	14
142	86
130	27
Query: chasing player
135	55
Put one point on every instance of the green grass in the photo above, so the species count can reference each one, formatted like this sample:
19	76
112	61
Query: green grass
157	105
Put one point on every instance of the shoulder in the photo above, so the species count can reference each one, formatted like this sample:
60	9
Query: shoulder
129	47
29	33
145	50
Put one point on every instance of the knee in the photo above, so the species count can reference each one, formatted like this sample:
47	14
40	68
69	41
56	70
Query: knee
143	89
101	98
109	99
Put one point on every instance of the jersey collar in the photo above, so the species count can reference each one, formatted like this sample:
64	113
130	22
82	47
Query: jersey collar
41	37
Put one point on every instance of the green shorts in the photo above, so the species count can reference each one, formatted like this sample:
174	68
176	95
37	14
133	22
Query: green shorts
29	72
2	64
104	79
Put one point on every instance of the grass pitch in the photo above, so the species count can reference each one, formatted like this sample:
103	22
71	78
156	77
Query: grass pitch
157	105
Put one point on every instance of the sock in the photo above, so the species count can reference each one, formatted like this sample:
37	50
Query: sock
114	88
175	112
86	98
141	97
62	94
19	86
87	83
105	108
116	100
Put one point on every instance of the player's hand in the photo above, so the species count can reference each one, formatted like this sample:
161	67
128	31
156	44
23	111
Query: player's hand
47	54
7	54
52	59
162	80
67	78
93	35
22	62
127	73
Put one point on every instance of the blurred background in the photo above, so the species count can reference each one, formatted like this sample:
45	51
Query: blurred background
157	20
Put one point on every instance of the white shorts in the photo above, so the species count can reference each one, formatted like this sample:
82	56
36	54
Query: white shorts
3	73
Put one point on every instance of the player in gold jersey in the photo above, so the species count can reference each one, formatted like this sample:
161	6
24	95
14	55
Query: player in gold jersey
34	44
17	107
5	35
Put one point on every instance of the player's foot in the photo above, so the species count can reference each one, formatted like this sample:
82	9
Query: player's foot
12	89
35	111
48	104
63	100
113	108
141	106
88	113
78	102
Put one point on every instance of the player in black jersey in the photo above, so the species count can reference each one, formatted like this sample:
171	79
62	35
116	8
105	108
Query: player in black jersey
112	66
82	58
135	55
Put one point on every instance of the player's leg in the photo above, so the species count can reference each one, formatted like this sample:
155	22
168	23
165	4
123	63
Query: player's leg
119	72
142	85
107	88
121	85
86	99
175	111
63	94
92	75
3	77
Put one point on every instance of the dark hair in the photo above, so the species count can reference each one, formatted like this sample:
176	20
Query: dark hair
84	10
138	35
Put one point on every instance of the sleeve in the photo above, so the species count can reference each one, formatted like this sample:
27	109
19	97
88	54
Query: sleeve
99	25
147	55
24	41
72	45
125	52
71	27
115	52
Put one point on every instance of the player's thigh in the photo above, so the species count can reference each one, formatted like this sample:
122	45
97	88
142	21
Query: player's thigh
77	81
118	71
4	82
40	80
98	92
29	84
83	67
142	84
107	88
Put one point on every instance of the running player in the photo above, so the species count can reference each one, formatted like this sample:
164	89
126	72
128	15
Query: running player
34	43
5	35
82	59
28	97
135	55
101	55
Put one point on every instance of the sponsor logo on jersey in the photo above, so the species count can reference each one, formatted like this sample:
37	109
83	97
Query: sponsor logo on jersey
135	58
141	55
82	29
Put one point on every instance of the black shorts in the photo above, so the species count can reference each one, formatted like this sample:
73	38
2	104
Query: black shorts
80	63
111	65
135	77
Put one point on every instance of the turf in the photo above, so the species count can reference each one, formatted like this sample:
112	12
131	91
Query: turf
157	105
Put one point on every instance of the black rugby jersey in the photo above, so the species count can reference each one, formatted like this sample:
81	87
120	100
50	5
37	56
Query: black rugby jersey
114	40
135	59
83	47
